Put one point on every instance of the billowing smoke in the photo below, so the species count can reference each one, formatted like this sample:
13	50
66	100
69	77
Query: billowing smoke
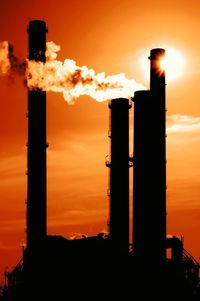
10	64
66	77
4	58
17	66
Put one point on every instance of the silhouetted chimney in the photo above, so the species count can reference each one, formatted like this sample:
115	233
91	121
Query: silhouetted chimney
36	192
149	191
119	175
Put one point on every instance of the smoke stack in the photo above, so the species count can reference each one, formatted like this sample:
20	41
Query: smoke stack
119	175
36	192
157	74
149	194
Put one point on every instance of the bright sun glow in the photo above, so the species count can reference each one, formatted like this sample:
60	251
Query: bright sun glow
173	63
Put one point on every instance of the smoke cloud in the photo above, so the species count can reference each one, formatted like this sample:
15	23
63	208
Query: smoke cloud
65	77
10	65
17	66
4	58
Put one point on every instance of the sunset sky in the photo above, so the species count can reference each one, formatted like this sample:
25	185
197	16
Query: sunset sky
114	37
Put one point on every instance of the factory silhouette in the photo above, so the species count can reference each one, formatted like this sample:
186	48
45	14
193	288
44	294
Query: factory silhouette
106	266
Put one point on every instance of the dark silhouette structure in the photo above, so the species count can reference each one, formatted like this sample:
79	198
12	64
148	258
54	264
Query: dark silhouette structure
119	175
36	190
106	265
149	193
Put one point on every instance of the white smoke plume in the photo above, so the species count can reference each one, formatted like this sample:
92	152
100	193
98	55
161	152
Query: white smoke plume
66	77
4	58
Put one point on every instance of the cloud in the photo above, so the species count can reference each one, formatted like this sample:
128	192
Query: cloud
12	166
182	124
183	193
12	225
78	216
8	246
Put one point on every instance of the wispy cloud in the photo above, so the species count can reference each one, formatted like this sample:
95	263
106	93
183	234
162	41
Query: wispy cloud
79	216
12	167
182	124
12	225
7	246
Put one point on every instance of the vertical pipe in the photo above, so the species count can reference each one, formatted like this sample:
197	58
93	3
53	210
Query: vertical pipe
158	94
119	175
149	194
143	167
36	190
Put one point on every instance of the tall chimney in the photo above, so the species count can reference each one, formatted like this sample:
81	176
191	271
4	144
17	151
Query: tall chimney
119	175
149	191
36	190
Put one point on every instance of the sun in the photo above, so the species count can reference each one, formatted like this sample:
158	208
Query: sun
173	63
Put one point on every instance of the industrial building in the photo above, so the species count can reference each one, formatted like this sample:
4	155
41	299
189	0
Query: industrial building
106	266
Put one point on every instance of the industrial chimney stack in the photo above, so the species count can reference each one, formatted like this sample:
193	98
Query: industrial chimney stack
149	183
119	175
36	190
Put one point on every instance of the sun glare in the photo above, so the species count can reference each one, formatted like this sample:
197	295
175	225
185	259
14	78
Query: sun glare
173	63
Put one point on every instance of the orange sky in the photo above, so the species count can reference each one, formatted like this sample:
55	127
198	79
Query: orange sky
108	36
